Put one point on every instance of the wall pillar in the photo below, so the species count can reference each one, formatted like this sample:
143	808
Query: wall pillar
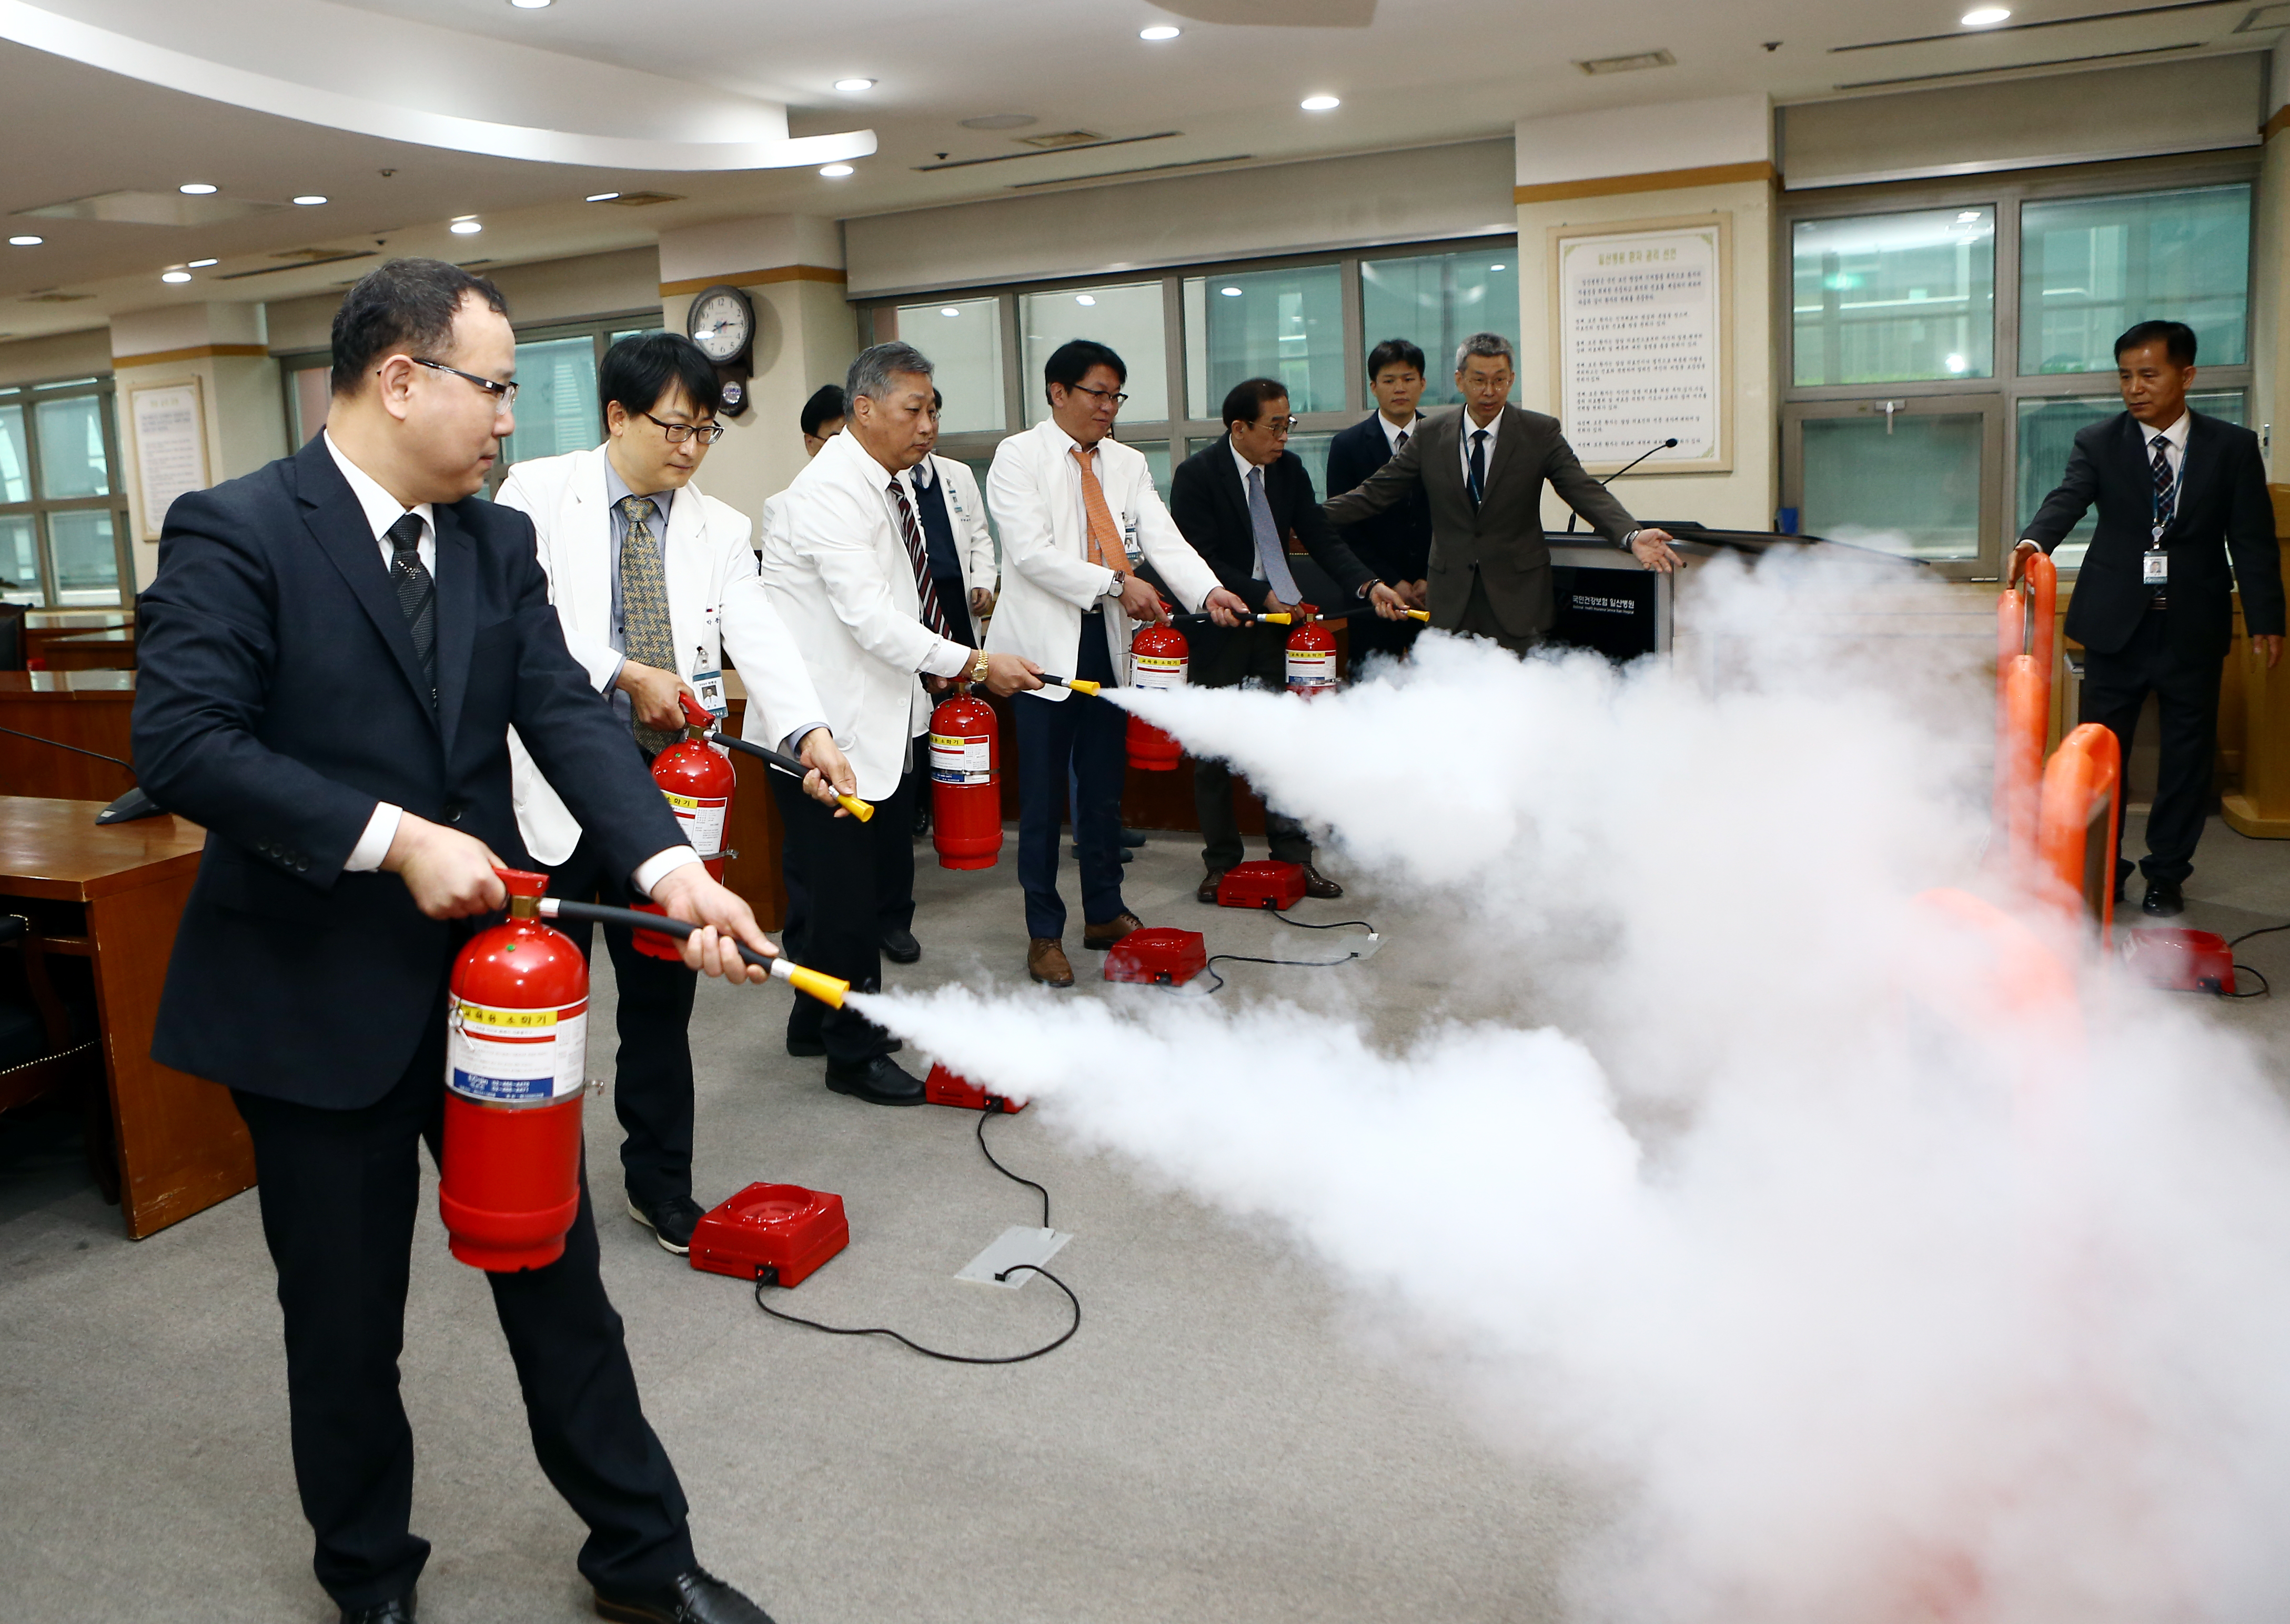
1618	165
792	267
224	348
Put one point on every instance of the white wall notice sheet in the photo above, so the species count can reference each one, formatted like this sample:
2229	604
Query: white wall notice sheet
170	447
1639	349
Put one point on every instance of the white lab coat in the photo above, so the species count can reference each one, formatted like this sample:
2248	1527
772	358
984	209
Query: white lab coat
836	573
707	550
1048	582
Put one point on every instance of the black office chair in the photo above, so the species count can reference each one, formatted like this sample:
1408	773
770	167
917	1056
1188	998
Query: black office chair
11	637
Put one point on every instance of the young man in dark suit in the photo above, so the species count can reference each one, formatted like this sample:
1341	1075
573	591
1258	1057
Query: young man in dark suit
333	652
1238	502
2153	605
1483	470
1396	543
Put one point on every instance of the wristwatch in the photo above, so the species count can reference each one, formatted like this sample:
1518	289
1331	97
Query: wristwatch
979	665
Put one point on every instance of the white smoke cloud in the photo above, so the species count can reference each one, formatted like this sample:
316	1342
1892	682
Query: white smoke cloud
1728	1171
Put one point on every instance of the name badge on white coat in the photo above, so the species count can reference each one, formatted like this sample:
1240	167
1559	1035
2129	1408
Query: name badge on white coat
1129	542
707	685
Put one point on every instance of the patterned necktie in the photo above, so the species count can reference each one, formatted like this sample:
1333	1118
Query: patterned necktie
1478	466
1105	548
647	635
1399	444
417	595
1268	550
2166	491
933	615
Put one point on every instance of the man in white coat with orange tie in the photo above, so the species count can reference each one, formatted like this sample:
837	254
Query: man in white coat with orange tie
1079	513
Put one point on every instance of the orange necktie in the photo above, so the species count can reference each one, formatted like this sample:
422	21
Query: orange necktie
1105	548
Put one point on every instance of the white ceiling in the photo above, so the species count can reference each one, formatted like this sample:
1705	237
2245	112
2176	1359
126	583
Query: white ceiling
1409	72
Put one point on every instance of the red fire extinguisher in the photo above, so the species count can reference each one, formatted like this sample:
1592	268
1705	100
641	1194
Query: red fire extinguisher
696	777
1158	657
965	749
516	1061
1311	655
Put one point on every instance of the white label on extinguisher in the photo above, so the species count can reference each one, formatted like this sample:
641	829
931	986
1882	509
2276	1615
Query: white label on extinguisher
955	759
516	1056
1157	670
701	818
1311	668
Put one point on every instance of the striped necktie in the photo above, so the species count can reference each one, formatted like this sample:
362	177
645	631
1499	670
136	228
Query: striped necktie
417	595
933	615
647	635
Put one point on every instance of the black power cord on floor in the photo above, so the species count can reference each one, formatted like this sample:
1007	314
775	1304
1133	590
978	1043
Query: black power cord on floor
1299	963
2265	989
768	1276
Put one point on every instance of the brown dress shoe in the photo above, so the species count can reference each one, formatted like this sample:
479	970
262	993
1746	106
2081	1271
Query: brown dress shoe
1318	884
1100	937
1207	892
1045	961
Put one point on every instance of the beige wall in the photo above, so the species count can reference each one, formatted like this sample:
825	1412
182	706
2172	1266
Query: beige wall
59	354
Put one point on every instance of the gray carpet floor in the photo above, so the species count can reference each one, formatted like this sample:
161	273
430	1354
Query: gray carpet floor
1213	1444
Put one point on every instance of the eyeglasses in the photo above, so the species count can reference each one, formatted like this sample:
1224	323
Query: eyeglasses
678	432
504	394
1118	400
1279	425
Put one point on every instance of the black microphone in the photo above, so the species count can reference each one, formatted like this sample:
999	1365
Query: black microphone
135	804
1618	473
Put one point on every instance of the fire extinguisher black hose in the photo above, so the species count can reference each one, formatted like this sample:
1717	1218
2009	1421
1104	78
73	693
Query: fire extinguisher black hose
827	988
789	765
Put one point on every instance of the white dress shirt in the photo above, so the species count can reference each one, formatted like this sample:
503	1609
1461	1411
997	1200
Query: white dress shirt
1392	431
382	511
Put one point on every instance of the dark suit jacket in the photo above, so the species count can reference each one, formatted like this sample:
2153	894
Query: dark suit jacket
1396	543
1502	536
2222	505
1210	507
279	699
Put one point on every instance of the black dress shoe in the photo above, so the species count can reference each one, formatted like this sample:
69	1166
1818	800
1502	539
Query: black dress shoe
696	1597
396	1610
881	1081
1132	837
2163	899
1318	884
1208	891
901	947
670	1221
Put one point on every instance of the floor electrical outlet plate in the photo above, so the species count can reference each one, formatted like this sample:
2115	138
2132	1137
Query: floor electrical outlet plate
1018	1244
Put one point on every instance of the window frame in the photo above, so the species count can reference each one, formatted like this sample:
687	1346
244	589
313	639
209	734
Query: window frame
2009	193
1185	435
30	395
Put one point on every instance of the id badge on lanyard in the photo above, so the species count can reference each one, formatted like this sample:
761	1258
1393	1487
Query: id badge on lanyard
2154	563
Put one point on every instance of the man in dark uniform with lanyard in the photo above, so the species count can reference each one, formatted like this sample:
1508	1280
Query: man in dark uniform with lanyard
2153	607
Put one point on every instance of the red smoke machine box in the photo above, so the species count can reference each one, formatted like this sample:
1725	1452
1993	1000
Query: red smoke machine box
944	1087
1267	885
782	1227
2179	961
1161	954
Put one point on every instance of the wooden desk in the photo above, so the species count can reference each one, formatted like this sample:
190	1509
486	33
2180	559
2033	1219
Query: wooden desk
44	627
92	709
114	896
96	651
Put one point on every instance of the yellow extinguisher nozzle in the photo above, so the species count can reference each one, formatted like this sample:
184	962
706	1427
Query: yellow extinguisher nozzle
1419	614
827	988
856	807
1082	685
1282	619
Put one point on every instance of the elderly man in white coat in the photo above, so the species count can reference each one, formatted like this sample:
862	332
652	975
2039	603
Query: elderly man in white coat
845	567
1078	514
639	564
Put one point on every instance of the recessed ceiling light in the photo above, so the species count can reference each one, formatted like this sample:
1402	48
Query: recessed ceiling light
194	188
835	171
529	5
1319	104
600	197
175	276
26	241
203	264
1494	268
465	228
1230	293
1160	31
310	200
1968	217
1084	299
854	86
1985	16
949	310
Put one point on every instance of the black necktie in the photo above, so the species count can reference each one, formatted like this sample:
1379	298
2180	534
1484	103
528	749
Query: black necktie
932	615
1479	465
2165	492
1399	444
417	595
